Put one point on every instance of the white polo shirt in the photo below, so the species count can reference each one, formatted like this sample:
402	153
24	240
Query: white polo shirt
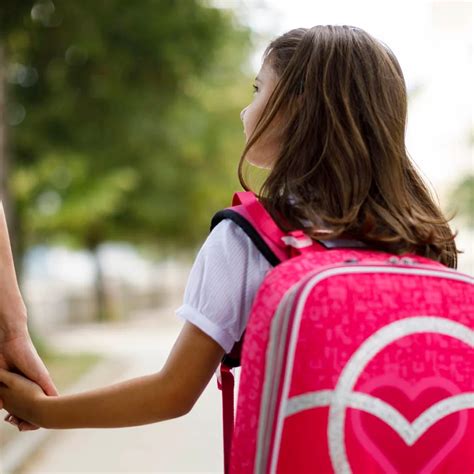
222	284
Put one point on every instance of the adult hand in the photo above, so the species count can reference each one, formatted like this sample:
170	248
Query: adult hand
18	354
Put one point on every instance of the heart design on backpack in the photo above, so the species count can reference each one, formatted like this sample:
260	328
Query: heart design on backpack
410	434
343	395
345	398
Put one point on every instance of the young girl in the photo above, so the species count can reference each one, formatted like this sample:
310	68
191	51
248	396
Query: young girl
328	122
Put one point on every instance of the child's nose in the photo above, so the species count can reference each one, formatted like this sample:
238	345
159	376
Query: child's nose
242	113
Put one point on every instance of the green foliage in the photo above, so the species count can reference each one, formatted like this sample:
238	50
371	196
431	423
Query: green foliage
130	125
462	199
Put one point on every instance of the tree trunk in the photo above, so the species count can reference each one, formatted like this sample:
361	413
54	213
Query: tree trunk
105	309
99	287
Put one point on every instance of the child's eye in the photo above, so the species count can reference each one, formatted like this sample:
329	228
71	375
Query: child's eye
255	88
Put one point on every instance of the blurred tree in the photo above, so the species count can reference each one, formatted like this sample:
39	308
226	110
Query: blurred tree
462	199
124	118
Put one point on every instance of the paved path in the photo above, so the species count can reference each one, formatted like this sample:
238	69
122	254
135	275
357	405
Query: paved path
189	444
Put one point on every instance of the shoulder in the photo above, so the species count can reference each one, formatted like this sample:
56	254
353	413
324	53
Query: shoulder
228	258
227	231
228	242
222	284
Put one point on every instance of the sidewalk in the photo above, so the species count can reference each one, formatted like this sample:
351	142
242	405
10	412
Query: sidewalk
189	444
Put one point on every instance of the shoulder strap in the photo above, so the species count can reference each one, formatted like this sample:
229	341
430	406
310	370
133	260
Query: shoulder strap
276	246
253	219
238	216
249	214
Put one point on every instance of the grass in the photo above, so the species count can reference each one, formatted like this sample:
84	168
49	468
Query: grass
65	369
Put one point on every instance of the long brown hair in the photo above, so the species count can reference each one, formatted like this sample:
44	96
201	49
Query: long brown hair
342	161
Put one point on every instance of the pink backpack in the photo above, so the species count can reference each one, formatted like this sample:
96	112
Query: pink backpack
354	361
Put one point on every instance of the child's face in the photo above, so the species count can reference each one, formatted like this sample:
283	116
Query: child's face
264	151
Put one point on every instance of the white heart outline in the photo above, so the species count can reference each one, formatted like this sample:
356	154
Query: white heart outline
409	432
359	360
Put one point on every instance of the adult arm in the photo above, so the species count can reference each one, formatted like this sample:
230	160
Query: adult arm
17	351
169	393
13	316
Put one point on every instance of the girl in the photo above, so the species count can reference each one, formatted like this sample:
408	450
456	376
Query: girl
328	122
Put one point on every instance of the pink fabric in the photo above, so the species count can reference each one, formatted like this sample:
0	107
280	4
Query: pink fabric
246	204
226	384
407	375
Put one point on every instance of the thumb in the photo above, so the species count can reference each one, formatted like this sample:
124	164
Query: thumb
45	382
40	375
33	368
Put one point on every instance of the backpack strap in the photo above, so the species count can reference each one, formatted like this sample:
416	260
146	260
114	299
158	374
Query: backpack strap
254	220
225	382
276	246
249	214
237	214
249	222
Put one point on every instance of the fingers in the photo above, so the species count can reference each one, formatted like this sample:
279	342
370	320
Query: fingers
45	382
13	420
34	369
44	379
22	425
25	426
6	378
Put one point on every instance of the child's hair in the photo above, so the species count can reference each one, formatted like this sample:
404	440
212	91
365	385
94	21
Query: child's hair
343	161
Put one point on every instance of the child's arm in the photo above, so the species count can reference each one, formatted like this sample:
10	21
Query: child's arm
167	394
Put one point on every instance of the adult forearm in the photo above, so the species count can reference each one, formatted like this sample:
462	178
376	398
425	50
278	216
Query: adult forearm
135	402
12	308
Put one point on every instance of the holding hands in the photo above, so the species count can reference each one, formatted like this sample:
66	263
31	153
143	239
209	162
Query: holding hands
22	398
18	395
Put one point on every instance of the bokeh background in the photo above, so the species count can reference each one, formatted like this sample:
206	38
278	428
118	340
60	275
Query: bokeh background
119	138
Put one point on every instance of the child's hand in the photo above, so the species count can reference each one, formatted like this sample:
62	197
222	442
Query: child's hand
21	397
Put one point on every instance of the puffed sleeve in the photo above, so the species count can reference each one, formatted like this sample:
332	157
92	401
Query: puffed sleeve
222	284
